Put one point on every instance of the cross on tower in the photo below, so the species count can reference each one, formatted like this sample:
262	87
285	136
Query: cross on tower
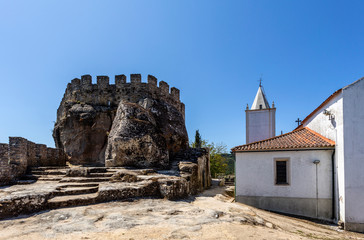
298	121
260	80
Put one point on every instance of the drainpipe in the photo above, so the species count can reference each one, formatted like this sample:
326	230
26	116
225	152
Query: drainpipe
333	186
316	162
235	177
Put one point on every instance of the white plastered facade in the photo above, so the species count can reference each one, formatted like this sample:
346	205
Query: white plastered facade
346	128
340	119
255	182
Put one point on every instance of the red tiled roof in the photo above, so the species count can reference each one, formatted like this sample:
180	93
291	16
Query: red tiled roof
303	138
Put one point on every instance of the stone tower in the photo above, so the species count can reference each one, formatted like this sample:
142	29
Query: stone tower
260	118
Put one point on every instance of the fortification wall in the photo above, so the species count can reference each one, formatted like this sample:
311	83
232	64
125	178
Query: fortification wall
21	153
5	168
18	154
103	93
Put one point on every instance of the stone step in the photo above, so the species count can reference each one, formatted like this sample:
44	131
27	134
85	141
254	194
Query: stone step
97	169
85	179
48	172
29	177
49	168
45	178
75	185
42	177
24	182
101	174
72	200
76	191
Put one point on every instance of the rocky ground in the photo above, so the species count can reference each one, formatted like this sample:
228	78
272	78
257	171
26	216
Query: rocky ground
210	215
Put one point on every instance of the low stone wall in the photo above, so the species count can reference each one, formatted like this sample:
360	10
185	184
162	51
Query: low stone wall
195	167
5	168
20	154
41	157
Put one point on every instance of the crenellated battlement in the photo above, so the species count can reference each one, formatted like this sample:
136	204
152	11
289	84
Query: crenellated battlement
103	83
105	93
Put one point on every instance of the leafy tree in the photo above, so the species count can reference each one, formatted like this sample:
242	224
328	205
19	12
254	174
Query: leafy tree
230	158
219	163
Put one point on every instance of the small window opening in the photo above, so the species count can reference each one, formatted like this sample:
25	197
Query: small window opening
260	106
281	172
108	103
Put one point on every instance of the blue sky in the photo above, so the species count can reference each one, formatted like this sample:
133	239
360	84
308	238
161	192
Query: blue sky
213	51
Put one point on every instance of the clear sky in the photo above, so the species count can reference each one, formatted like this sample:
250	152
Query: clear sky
213	51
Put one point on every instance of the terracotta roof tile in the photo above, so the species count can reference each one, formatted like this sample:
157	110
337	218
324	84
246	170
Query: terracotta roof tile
303	138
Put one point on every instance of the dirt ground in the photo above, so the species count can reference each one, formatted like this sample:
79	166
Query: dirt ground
207	216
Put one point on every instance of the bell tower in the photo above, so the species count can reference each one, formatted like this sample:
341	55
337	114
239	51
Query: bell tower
260	118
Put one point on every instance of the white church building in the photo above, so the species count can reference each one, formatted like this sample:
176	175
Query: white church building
317	170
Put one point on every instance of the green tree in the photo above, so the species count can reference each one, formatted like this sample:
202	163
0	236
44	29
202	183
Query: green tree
230	158
218	163
198	140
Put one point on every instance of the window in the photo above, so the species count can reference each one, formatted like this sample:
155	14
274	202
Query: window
260	106
281	171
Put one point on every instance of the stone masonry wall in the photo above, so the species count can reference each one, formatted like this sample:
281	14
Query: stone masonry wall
103	93
195	167
20	154
5	168
204	175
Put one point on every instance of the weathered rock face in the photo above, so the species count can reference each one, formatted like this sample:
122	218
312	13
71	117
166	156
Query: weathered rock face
194	166
135	140
170	122
148	131
82	133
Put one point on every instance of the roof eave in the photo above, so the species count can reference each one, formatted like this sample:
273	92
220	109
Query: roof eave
285	149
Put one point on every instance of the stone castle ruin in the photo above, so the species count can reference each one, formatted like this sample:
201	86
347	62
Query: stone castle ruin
113	142
149	126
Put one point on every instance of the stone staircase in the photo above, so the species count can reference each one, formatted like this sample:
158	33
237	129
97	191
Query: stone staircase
74	195
71	191
59	187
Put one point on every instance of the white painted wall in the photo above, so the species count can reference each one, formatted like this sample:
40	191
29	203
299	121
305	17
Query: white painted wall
260	124
334	130
255	174
321	124
353	96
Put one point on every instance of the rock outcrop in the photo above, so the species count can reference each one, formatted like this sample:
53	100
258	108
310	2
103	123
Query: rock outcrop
82	132
148	131
143	135
136	130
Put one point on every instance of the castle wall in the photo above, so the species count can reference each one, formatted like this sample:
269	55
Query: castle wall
204	175
41	155
20	154
5	168
31	155
103	93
